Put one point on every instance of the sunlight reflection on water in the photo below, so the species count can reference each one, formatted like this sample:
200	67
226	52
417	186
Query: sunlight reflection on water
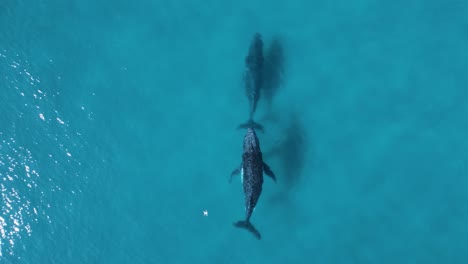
36	152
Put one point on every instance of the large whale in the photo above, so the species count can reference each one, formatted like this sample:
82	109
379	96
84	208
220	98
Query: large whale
253	78
251	170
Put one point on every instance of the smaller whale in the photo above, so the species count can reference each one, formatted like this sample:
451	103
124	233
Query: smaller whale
253	78
251	124
251	170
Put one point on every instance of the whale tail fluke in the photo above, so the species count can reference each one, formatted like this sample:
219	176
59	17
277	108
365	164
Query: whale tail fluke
251	124
249	227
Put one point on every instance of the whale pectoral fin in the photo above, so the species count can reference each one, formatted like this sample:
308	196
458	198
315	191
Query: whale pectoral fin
268	171
235	172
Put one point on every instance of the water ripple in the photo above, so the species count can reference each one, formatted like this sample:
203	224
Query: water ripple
37	149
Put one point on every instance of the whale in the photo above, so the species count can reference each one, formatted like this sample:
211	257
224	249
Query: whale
253	78
251	171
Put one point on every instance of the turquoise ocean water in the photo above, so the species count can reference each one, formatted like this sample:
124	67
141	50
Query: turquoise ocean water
118	129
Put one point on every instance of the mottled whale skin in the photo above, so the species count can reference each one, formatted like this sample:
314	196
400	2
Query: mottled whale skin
253	78
251	170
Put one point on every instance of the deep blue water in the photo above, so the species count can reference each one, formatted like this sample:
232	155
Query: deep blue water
118	128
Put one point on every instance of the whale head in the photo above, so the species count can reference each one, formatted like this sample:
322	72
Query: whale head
251	143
